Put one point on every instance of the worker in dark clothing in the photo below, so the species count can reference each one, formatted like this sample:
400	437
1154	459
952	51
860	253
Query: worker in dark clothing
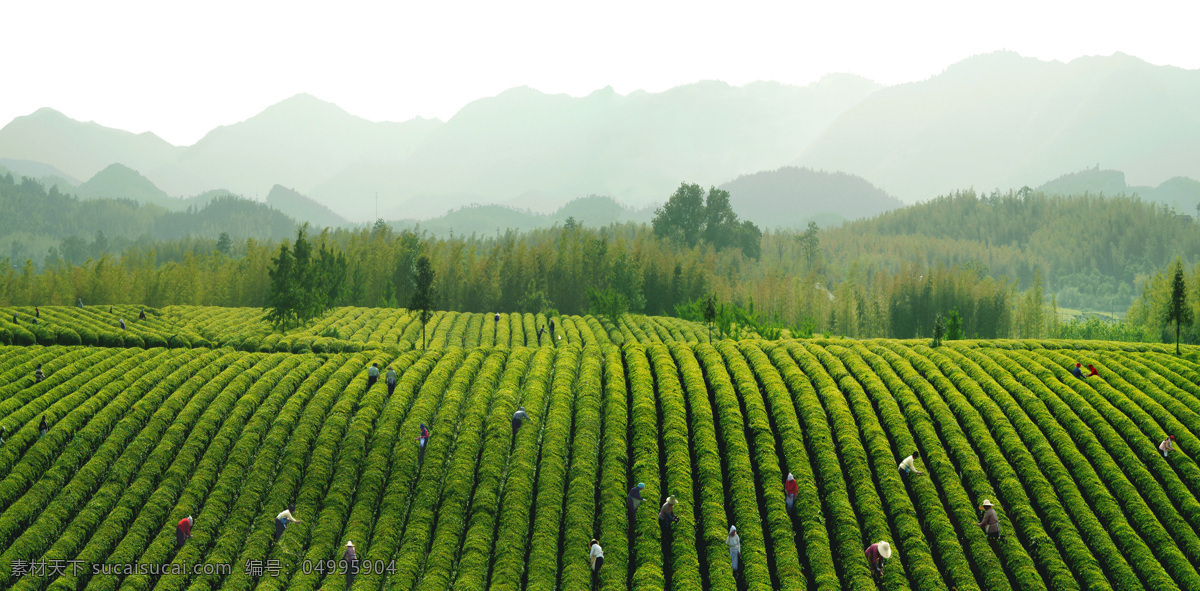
391	381
122	321
282	520
541	329
3	435
596	558
183	531
372	375
551	331
110	310
36	312
142	314
666	515
634	499
517	418
38	376
876	554
350	563
79	303
1077	372
15	318
791	488
990	523
422	440
43	428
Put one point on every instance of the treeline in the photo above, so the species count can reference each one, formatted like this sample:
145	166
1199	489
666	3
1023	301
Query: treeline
994	262
1092	251
48	226
543	270
1148	318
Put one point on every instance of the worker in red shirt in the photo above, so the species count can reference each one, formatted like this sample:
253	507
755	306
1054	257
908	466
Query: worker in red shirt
183	531
791	488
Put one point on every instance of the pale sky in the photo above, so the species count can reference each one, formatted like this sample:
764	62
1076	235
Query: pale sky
179	69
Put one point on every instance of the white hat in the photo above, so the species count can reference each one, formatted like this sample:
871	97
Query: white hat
987	503
350	544
790	477
885	549
732	529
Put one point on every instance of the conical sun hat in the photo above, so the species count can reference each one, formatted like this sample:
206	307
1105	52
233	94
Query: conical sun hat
885	549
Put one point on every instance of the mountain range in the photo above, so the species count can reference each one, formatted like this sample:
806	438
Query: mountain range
995	120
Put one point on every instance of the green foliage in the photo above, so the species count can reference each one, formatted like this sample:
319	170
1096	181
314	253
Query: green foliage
954	330
425	296
1178	311
224	244
609	303
535	300
688	217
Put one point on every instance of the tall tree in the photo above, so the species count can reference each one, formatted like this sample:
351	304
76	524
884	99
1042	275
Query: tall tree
682	217
224	243
281	297
424	297
710	312
1177	308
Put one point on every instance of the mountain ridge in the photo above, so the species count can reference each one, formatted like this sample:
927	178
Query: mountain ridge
992	120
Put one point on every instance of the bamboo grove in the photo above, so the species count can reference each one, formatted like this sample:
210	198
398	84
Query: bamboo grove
1004	262
204	412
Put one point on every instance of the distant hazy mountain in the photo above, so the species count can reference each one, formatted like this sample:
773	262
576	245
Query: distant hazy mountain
299	142
490	220
45	174
1182	193
790	197
992	121
35	170
118	181
81	149
636	148
302	209
1001	120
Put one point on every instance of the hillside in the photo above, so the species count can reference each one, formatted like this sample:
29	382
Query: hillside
791	197
118	181
298	142
490	220
44	225
1180	193
82	149
139	438
991	121
635	148
302	208
1002	120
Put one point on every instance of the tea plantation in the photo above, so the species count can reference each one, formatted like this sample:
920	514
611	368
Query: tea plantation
207	412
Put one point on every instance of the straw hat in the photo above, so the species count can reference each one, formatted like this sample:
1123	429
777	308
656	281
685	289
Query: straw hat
349	544
987	503
671	501
885	549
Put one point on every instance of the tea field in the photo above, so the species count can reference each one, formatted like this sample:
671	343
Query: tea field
205	412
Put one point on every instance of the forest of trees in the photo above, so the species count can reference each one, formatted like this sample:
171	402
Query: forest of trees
47	226
1003	263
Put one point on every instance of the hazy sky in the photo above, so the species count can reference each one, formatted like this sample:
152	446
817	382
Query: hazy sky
179	69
